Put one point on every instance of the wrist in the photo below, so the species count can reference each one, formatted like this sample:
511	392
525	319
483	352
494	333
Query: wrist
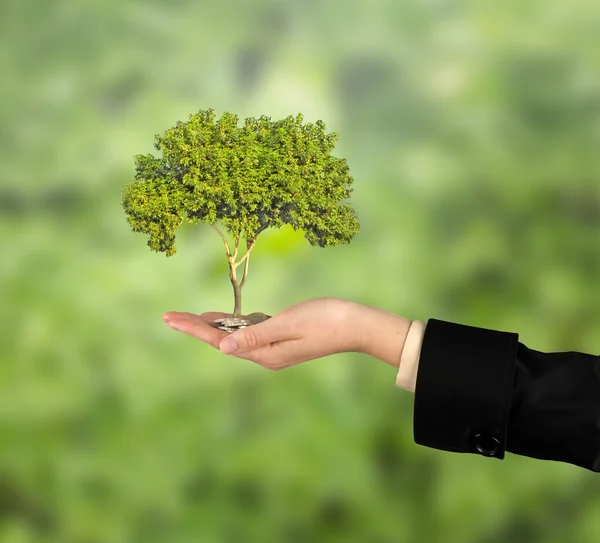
379	333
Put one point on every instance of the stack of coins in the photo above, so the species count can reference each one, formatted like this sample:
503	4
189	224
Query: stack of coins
231	324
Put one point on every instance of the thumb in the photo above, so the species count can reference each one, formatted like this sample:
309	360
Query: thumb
253	336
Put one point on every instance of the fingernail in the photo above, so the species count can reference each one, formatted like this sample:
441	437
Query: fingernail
228	345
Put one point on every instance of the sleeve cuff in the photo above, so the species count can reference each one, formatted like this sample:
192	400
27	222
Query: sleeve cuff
463	388
409	361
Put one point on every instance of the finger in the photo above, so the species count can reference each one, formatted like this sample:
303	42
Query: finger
258	335
258	356
197	326
274	355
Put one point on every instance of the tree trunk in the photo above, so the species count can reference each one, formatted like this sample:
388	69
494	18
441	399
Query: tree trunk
237	292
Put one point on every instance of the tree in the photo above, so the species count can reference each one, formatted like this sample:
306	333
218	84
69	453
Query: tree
261	175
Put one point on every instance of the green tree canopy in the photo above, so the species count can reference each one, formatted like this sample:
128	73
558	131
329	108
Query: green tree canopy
263	174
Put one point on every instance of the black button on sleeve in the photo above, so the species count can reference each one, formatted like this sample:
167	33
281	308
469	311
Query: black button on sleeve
463	388
486	445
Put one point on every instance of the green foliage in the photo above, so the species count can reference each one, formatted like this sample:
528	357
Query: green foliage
262	174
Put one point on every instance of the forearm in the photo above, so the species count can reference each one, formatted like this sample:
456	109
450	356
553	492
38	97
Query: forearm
379	333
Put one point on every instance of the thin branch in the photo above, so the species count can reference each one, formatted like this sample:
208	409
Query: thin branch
263	227
247	257
237	242
224	240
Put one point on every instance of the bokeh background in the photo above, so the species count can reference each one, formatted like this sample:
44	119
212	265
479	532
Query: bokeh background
472	130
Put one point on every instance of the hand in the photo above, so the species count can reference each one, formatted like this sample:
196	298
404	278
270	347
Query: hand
305	331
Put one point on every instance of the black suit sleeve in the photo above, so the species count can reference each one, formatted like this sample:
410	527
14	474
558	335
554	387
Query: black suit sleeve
482	391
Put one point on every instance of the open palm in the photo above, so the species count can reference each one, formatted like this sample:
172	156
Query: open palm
305	331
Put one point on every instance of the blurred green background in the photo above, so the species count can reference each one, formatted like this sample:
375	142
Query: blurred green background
472	130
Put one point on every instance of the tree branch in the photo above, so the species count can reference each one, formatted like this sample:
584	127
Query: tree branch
245	270
237	243
263	227
224	240
247	255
